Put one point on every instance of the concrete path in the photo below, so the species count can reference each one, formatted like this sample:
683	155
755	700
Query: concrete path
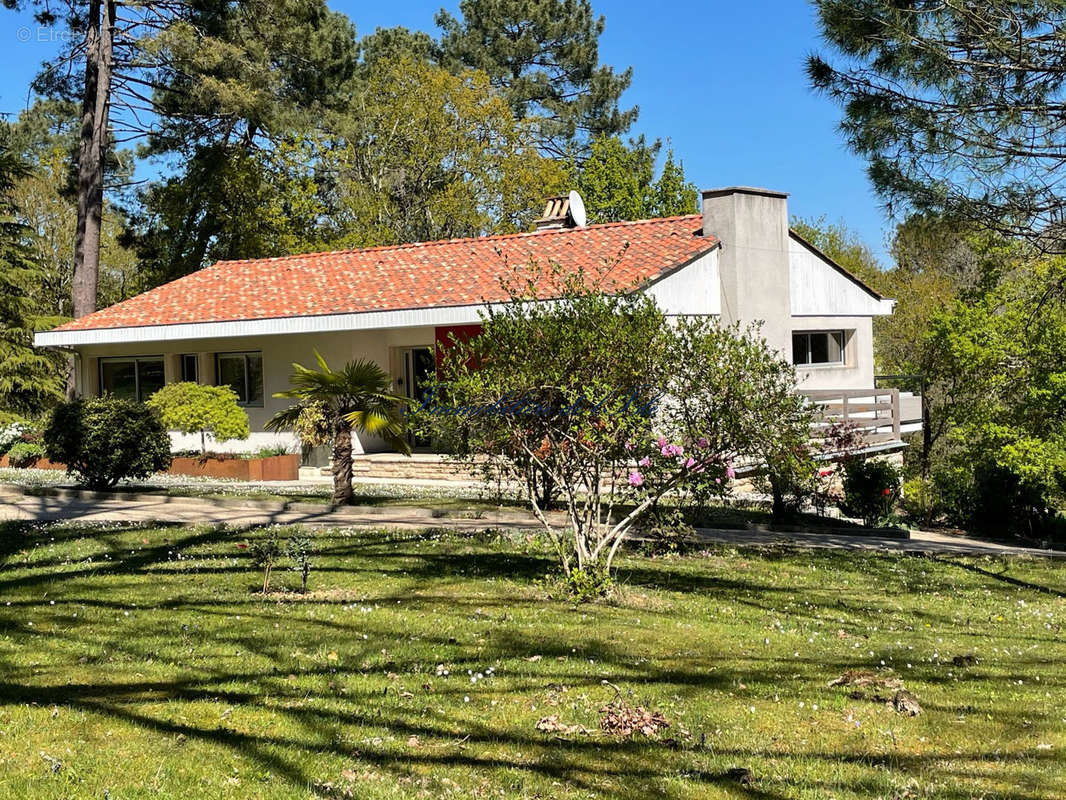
56	505
919	542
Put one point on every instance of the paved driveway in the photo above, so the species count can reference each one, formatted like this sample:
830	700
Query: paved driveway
143	508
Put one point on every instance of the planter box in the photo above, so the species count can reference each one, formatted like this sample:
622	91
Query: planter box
40	463
273	468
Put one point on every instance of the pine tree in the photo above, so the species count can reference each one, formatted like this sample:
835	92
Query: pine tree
959	108
544	56
30	379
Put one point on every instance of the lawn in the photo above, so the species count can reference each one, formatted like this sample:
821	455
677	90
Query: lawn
143	663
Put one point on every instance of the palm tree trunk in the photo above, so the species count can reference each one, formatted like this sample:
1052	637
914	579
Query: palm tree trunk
342	462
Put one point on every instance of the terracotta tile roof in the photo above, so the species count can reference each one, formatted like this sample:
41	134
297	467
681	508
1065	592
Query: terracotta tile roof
432	274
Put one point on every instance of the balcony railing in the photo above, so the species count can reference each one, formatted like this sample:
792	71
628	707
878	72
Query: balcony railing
874	412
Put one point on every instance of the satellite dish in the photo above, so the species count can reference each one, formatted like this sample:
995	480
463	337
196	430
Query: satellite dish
577	210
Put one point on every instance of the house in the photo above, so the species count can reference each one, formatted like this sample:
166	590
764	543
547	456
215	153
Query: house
243	323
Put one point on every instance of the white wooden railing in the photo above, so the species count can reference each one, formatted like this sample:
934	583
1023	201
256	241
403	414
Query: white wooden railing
874	412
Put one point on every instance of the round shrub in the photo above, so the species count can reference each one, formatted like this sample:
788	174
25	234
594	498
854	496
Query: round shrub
24	454
193	408
105	439
871	489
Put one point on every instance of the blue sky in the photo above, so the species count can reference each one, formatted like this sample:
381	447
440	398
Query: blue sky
721	82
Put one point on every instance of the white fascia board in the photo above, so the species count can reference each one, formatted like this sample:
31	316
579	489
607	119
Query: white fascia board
368	320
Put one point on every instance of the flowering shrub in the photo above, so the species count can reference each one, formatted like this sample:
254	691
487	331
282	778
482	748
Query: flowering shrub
871	488
584	396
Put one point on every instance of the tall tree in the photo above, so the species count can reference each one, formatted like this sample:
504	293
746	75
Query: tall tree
424	154
45	136
617	182
244	92
100	66
544	56
959	108
30	379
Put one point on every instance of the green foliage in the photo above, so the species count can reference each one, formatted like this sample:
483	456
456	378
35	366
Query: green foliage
103	440
1001	356
920	500
357	398
617	182
544	57
266	551
271	452
586	394
30	379
871	488
207	410
24	454
430	155
958	108
300	548
314	424
587	586
46	136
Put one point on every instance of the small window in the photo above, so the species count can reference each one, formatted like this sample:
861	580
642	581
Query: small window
242	372
131	378
818	347
190	368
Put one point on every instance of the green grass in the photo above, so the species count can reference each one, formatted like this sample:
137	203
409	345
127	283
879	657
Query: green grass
142	663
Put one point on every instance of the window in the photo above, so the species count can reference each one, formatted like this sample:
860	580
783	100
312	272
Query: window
818	347
131	378
190	368
242	372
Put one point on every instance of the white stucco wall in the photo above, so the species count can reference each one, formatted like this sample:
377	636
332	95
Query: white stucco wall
857	371
695	289
279	353
816	287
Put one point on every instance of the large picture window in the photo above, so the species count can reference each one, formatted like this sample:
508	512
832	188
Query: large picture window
818	347
131	378
242	372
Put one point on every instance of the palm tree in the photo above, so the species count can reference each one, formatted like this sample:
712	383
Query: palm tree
357	398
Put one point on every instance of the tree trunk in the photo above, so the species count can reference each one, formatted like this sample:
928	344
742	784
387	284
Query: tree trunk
342	463
92	152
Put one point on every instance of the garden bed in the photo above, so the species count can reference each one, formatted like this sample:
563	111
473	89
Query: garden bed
40	463
270	468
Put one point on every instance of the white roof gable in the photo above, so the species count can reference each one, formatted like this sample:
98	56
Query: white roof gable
821	288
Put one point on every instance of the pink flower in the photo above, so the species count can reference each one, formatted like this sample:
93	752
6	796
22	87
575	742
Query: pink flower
661	441
730	473
635	478
645	462
690	463
717	480
629	444
702	443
